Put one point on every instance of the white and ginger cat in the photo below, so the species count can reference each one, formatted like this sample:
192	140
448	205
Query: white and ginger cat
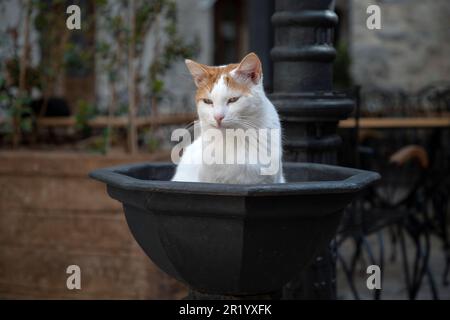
231	97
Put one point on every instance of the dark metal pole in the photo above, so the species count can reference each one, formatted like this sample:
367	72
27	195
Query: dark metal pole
310	111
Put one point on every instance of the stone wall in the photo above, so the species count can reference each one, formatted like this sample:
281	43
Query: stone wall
410	51
52	216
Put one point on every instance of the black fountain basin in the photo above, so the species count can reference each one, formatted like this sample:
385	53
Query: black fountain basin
233	239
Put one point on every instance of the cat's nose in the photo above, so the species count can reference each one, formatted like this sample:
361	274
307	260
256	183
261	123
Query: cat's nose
219	118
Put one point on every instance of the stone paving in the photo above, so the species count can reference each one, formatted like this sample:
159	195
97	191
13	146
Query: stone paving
393	284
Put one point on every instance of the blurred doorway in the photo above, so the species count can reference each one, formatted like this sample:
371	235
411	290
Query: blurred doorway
230	31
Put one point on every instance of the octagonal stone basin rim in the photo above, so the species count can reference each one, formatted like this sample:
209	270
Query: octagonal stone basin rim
228	238
352	180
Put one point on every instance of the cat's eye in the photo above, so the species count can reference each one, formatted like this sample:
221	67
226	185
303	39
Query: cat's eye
234	99
207	101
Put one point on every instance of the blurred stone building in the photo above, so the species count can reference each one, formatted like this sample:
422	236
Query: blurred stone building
409	52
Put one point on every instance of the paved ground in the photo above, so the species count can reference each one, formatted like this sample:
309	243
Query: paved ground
393	284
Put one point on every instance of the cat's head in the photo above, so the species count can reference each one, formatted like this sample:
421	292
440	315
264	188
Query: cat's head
228	96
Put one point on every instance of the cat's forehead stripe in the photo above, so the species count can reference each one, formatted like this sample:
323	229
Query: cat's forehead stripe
217	73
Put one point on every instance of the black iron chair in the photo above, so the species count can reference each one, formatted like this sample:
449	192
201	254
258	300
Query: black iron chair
410	202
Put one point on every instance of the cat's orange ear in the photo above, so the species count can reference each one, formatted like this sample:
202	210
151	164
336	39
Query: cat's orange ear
250	68
198	71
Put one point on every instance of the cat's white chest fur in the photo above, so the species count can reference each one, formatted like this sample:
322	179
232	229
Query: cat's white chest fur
194	167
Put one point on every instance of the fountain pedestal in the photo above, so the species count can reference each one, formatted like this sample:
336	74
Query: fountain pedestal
310	111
